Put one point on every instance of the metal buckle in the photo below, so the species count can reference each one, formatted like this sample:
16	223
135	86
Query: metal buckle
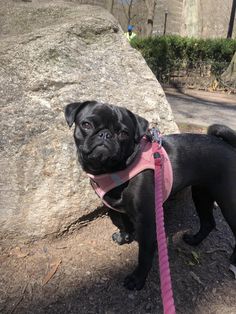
155	136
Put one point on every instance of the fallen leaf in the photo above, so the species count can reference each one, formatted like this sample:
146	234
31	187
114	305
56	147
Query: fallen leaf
52	270
195	257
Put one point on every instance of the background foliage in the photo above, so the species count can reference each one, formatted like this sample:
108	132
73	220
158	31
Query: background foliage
172	57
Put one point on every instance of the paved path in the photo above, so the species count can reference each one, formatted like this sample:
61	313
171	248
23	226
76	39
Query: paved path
202	108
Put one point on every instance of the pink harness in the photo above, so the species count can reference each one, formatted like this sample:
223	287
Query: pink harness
106	182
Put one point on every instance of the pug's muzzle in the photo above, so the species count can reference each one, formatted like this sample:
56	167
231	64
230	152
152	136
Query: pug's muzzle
100	148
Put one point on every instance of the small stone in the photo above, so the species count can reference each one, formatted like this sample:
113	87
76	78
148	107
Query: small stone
233	269
148	307
131	296
103	280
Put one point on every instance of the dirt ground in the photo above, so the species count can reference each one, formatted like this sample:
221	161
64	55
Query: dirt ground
82	272
201	107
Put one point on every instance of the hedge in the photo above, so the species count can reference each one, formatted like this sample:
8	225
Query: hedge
167	54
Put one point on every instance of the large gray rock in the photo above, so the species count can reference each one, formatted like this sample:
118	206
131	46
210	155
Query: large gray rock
51	55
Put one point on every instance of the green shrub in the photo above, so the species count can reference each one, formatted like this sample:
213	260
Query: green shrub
167	54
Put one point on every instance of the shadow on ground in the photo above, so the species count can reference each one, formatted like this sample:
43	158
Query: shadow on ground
91	268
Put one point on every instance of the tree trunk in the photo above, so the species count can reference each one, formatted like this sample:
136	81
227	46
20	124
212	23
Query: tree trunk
151	5
229	76
231	21
109	5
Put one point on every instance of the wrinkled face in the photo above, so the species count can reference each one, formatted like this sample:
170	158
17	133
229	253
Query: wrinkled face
107	137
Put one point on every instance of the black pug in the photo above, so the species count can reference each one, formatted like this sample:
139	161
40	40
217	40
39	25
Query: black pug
108	139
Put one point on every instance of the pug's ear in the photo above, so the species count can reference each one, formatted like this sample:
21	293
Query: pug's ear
71	111
141	126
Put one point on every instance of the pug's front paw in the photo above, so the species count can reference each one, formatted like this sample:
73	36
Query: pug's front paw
134	281
122	237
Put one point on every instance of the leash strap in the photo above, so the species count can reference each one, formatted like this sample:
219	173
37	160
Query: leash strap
164	268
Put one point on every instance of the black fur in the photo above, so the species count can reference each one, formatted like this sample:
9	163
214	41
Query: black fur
207	163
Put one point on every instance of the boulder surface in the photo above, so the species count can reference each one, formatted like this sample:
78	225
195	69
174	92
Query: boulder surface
52	54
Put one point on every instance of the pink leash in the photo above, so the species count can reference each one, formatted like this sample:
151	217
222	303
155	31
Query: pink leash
164	268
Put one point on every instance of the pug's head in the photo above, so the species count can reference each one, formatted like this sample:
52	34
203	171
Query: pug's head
107	137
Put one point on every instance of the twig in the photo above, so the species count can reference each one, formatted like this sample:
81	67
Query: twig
195	277
217	250
20	299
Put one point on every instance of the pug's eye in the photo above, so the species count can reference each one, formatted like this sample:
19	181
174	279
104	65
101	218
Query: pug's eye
86	125
124	135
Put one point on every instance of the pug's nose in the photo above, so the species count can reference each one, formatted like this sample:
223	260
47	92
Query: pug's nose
105	135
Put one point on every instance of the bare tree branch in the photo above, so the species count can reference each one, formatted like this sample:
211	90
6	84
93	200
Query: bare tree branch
151	5
128	11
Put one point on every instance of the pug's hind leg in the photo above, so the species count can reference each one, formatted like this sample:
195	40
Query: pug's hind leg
125	234
204	205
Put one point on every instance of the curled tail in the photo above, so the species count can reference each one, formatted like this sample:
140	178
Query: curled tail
222	131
